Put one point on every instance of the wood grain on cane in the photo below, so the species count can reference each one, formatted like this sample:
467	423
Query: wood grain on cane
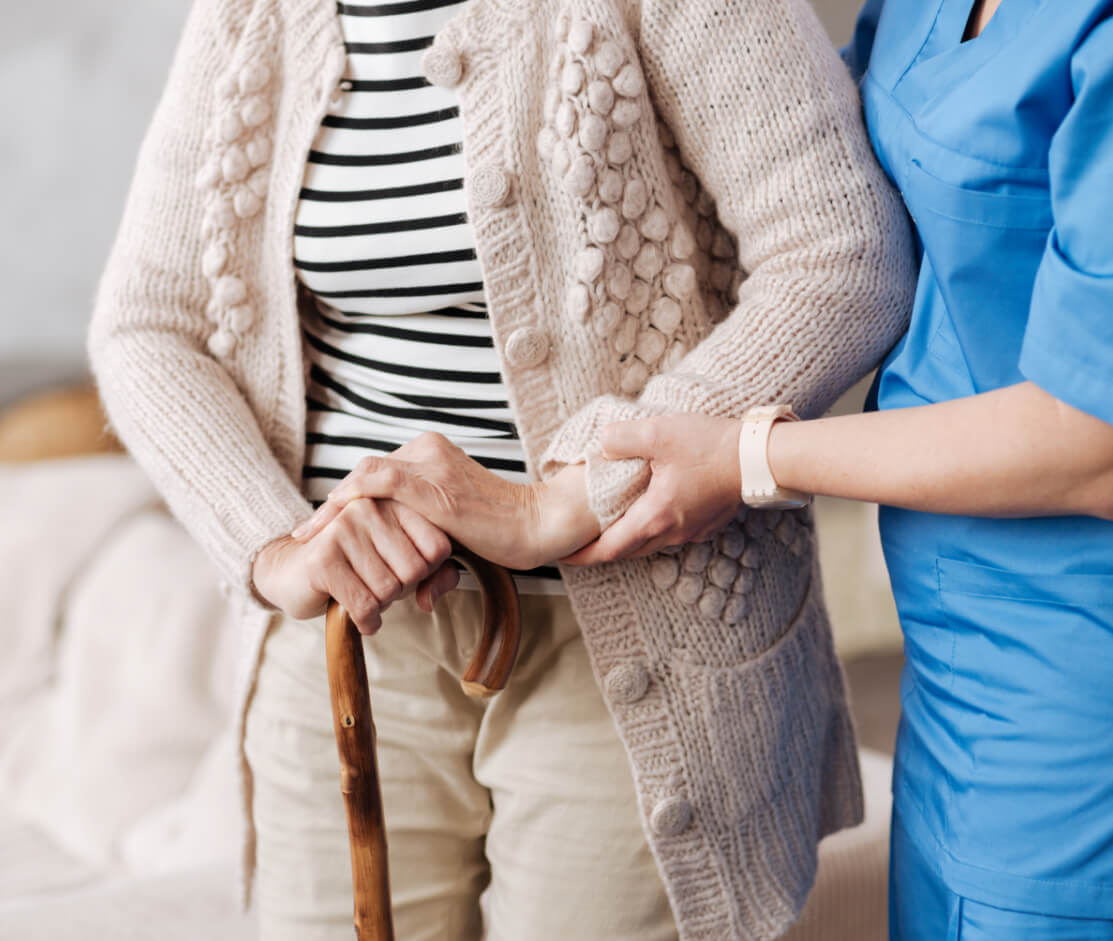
354	726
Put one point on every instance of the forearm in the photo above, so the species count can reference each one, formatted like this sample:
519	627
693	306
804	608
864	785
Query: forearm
820	234
182	418
565	519
1016	451
517	525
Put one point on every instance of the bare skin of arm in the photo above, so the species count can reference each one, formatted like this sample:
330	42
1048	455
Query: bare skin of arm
517	525
1016	451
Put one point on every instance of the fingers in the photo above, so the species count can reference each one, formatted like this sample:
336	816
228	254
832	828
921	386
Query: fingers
373	477
332	574
429	540
657	520
425	447
439	584
595	554
628	439
385	556
380	477
366	558
324	515
633	530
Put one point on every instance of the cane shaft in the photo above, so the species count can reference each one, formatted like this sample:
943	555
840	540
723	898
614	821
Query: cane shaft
359	776
354	726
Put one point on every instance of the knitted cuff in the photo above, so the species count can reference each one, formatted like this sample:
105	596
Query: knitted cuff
612	486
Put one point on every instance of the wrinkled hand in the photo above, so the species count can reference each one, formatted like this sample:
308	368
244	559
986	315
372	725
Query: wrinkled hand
694	491
517	525
372	553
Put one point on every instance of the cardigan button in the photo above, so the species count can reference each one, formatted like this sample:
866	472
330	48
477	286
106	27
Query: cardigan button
491	187
527	347
671	817
222	343
442	66
627	683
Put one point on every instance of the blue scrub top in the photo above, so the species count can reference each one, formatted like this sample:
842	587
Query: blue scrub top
1003	149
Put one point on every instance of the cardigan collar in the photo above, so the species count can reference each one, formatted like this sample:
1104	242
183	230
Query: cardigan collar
314	30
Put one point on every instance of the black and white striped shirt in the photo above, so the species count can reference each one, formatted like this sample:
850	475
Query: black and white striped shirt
399	342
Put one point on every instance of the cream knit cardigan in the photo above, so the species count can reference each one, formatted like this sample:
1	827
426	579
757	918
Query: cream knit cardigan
628	161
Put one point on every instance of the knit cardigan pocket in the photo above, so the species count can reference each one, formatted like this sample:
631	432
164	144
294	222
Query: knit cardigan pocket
787	719
742	749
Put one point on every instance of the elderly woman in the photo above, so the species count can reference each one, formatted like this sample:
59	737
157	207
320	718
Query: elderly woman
509	224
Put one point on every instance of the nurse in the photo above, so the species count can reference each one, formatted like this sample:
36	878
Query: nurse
992	454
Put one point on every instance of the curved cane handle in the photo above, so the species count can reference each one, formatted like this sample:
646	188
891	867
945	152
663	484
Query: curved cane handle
497	649
354	726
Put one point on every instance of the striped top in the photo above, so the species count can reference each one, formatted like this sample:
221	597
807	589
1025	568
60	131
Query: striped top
399	342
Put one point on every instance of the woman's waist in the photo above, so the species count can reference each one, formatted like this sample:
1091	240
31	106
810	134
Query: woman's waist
1008	624
1007	712
1008	628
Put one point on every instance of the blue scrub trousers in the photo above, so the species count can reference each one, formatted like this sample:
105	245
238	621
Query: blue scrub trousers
922	908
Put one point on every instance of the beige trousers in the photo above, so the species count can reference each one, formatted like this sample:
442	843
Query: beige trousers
510	820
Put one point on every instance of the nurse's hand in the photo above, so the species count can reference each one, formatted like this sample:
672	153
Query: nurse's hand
520	526
371	554
694	492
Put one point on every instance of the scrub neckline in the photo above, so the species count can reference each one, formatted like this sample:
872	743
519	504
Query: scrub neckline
944	60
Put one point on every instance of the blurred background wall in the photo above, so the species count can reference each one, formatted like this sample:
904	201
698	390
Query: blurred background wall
79	81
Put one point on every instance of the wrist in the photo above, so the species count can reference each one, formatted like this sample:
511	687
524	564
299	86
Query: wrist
727	450
781	454
565	521
263	567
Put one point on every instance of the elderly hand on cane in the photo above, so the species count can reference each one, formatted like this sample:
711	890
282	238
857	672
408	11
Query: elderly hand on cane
517	525
368	546
374	553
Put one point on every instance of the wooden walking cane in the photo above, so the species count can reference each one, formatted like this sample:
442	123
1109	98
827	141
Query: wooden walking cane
486	674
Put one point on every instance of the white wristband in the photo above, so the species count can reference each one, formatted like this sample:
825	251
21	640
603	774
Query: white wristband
759	489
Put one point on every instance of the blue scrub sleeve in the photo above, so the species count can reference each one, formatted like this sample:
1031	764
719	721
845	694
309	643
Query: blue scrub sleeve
857	53
1068	343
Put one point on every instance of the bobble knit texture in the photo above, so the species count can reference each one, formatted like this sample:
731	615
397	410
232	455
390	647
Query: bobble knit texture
676	210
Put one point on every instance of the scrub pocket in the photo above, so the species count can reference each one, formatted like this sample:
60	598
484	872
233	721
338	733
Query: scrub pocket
1031	703
978	922
1019	211
963	228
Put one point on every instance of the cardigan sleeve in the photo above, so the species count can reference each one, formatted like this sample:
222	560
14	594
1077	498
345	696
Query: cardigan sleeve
774	134
176	407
